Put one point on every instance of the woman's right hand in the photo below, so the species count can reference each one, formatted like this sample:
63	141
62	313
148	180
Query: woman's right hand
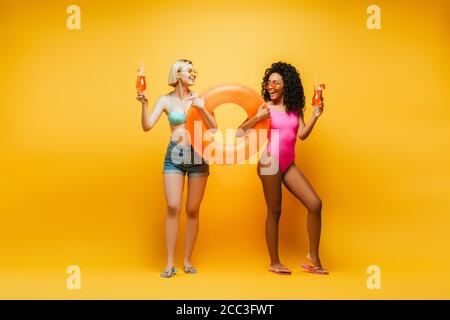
263	112
142	98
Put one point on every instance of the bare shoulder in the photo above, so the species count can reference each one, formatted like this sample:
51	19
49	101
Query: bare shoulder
168	95
163	101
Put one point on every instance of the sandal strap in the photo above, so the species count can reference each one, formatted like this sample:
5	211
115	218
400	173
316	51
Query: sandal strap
189	269
169	273
320	269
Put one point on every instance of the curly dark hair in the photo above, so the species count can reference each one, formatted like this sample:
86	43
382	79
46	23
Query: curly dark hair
294	97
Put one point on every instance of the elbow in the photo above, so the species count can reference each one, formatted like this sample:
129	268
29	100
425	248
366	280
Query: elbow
212	127
240	132
302	135
148	125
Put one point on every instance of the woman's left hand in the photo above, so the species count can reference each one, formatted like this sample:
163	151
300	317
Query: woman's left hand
318	110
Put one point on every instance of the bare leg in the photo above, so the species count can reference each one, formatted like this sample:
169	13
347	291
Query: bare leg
196	189
173	190
300	187
272	193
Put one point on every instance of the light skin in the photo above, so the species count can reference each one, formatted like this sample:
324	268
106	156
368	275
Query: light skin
293	179
180	100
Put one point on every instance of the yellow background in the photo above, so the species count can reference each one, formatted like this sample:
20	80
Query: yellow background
81	183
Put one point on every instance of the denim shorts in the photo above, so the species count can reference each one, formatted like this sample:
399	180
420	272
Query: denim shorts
182	159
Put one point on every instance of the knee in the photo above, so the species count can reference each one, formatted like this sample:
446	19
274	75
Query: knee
173	209
316	206
274	213
192	212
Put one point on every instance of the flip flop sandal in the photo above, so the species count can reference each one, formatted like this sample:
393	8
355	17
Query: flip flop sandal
189	269
169	273
281	272
315	270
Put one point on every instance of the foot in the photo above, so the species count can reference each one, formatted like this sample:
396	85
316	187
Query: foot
280	269
314	260
316	268
169	272
189	269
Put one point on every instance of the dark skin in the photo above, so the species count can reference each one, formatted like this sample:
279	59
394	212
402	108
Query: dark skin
293	179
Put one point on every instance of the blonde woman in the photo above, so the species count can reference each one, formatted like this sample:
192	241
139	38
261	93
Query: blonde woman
179	159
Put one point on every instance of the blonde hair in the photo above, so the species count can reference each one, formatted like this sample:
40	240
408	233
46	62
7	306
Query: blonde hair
177	67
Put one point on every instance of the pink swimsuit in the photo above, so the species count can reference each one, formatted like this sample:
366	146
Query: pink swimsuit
284	148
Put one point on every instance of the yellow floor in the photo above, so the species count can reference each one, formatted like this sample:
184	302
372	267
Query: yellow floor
218	283
245	280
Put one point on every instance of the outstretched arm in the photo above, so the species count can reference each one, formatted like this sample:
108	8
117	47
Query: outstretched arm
148	121
305	130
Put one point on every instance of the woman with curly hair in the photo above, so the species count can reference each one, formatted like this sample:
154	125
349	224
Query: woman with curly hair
282	90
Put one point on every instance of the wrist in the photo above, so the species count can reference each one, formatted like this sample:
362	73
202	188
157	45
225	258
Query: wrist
316	116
